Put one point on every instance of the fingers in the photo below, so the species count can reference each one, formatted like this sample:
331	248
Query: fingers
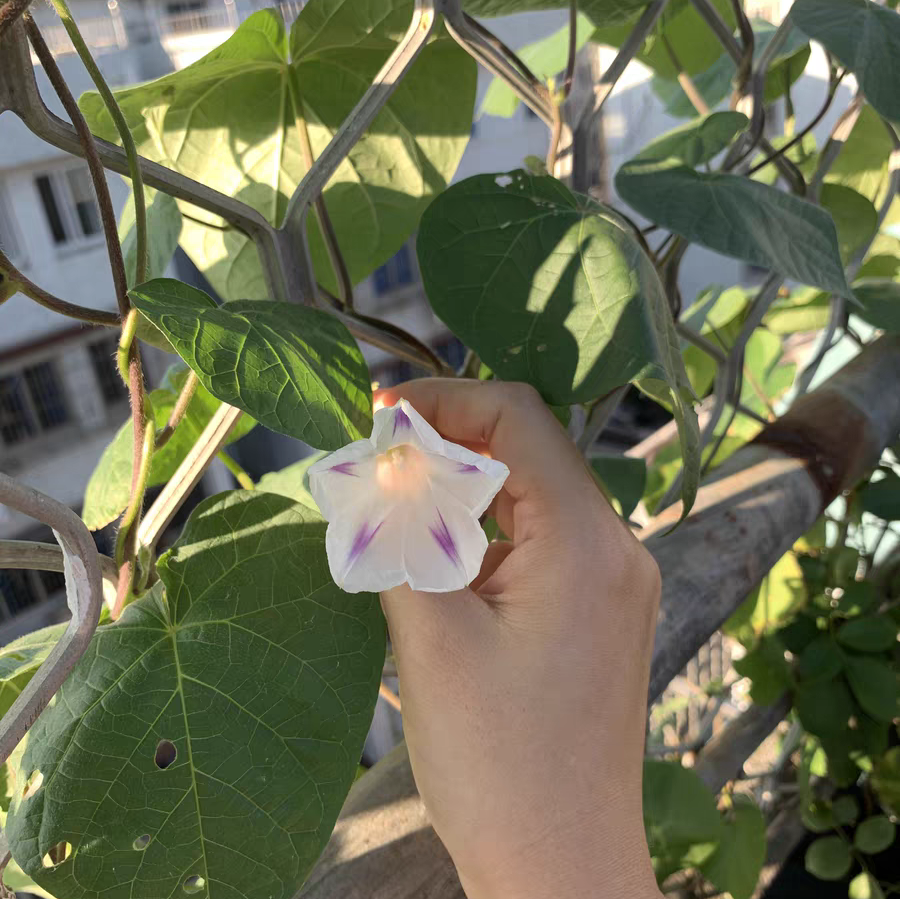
510	419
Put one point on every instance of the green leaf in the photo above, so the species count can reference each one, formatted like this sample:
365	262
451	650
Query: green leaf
865	37
864	160
728	213
806	309
716	82
820	660
799	633
230	121
828	858
552	288
20	659
864	886
680	814
874	835
296	370
824	707
694	43
859	597
868	634
623	477
766	377
855	218
817	816
546	58
882	497
886	780
292	482
222	717
599	10
875	686
845	809
109	487
767	668
735	865
880	301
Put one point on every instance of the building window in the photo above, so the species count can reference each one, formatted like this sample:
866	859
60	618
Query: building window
16	591
31	401
396	272
9	239
103	359
69	205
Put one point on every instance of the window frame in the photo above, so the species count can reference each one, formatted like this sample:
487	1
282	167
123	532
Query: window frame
15	249
63	197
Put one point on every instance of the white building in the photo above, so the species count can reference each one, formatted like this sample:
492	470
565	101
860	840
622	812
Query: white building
60	397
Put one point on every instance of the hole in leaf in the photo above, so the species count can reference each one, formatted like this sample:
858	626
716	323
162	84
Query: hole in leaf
32	785
142	842
194	884
57	854
165	754
503	180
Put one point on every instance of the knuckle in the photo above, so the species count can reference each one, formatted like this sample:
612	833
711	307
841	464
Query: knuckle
522	394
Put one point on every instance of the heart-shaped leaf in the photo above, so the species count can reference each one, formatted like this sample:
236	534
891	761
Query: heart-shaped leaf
234	119
865	37
552	288
109	487
730	214
296	370
206	741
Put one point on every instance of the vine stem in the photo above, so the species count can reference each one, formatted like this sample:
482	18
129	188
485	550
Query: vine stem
128	145
24	285
143	444
235	468
329	235
179	409
684	80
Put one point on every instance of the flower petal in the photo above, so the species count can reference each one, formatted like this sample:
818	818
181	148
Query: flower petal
444	545
364	546
399	424
336	482
472	479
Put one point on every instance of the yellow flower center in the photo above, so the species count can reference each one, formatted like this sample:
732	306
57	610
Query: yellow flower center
402	470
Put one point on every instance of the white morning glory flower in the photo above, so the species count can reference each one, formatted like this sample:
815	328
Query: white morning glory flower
403	506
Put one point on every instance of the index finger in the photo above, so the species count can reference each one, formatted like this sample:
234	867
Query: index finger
510	419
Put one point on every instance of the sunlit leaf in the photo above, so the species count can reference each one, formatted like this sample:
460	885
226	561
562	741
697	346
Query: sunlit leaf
230	121
735	865
552	288
855	218
295	369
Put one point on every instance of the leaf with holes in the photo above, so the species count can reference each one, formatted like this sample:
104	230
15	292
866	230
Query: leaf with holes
206	741
109	487
735	865
552	288
730	214
865	37
296	370
234	121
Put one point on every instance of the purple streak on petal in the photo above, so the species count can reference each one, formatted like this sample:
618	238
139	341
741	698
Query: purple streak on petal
445	541
364	536
345	468
465	468
401	421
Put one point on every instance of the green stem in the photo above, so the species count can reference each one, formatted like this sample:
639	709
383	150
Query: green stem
138	488
123	354
240	475
134	169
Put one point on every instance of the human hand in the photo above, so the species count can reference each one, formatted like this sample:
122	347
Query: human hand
524	697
